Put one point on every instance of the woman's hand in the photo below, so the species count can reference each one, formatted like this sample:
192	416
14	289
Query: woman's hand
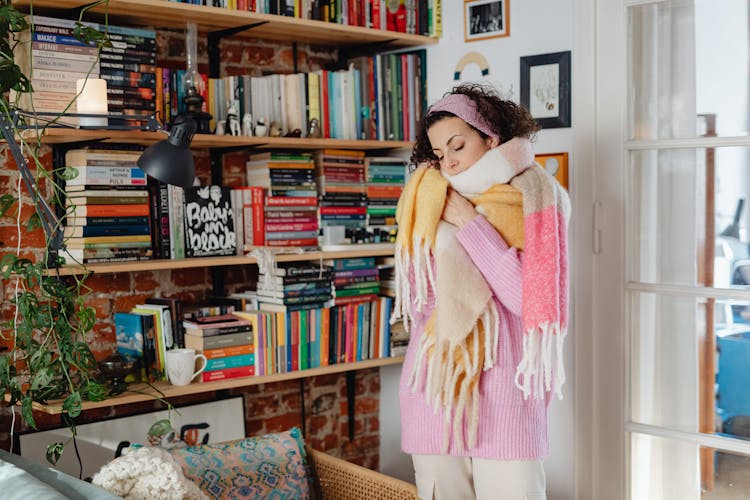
458	210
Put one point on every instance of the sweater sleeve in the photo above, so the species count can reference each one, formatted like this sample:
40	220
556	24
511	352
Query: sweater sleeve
500	264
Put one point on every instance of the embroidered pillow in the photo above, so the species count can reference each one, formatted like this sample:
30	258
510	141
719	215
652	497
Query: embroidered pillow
257	467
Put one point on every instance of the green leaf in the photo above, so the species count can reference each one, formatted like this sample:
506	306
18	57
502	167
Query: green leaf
86	318
12	18
96	391
72	404
6	201
91	36
7	264
41	379
54	452
34	222
160	428
68	173
27	410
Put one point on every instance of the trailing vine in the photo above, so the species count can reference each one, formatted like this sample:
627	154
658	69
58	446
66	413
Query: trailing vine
49	359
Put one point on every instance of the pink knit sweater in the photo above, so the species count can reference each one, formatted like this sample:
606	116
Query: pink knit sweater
510	428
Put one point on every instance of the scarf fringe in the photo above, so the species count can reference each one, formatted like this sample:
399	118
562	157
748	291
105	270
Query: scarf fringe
541	368
423	281
452	373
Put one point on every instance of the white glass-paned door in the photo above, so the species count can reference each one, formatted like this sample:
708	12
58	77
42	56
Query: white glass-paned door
687	227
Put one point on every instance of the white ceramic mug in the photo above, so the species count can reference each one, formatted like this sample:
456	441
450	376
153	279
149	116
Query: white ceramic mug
181	365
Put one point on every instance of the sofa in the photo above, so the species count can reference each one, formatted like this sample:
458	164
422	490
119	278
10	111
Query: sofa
24	479
275	466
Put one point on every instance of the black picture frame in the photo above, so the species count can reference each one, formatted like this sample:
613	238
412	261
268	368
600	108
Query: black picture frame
545	88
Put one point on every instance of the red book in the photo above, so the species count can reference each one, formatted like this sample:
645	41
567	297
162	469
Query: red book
129	210
294	317
307	242
257	195
376	24
295	226
343	210
240	371
291	201
354	299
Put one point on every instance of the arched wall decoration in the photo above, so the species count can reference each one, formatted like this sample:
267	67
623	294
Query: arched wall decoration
471	58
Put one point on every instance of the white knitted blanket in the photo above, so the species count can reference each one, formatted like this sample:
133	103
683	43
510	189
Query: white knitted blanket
147	473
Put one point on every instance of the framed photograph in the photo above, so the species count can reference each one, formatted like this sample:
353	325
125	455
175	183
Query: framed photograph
486	19
545	88
556	164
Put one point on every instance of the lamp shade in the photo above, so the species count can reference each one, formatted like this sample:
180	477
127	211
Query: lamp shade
170	160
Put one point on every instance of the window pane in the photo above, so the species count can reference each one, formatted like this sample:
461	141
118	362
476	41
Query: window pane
689	217
690	364
665	360
688	58
668	469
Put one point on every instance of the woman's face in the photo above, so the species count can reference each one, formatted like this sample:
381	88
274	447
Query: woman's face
457	145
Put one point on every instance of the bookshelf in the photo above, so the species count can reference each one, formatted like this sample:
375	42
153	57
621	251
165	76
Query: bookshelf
164	390
221	22
166	14
62	136
379	250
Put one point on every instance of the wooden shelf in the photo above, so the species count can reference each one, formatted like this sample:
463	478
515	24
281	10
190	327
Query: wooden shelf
142	392
204	141
166	14
376	250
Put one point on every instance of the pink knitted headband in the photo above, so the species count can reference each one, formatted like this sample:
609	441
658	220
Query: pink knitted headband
463	107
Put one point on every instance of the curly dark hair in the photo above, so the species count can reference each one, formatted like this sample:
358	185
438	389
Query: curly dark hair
507	119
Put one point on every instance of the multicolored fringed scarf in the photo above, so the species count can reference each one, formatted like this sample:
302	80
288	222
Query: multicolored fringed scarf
461	336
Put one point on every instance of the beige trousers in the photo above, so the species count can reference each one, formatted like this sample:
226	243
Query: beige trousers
441	477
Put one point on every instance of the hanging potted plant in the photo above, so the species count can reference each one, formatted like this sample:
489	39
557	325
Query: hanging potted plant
48	358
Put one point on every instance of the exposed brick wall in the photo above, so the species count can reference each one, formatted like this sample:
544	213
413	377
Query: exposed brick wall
270	407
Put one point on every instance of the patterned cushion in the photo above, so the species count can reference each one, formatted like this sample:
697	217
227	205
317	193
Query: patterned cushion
270	466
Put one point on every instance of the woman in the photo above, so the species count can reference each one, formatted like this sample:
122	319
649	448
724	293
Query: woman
481	264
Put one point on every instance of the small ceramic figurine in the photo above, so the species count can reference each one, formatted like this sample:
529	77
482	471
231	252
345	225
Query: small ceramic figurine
261	128
313	129
232	126
275	130
247	124
219	128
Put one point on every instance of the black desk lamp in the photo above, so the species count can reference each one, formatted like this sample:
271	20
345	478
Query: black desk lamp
170	161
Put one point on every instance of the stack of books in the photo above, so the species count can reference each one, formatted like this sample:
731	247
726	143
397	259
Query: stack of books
294	286
342	189
226	341
355	280
54	59
129	66
290	218
106	207
385	182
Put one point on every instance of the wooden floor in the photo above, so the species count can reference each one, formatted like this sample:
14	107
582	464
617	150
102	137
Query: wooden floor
732	478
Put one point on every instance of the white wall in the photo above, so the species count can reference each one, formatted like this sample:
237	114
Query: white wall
537	27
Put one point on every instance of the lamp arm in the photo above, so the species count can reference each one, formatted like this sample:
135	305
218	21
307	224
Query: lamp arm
50	223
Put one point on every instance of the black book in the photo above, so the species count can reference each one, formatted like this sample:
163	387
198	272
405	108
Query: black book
209	223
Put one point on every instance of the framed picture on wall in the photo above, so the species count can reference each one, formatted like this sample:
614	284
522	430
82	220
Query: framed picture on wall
556	164
545	88
486	19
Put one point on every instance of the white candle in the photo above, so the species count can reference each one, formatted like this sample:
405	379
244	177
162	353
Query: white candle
92	99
